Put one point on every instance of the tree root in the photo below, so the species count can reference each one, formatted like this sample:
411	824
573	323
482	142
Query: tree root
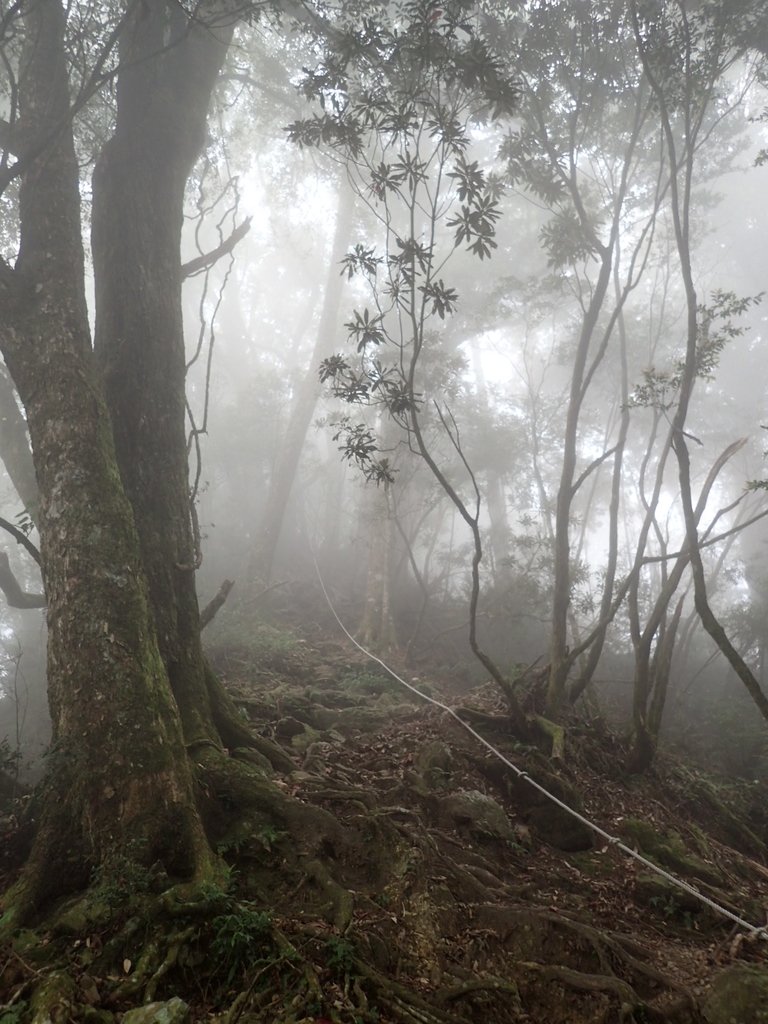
487	984
584	982
554	733
404	1004
365	800
242	788
341	899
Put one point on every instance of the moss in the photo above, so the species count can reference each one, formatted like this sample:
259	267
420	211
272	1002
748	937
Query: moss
88	913
739	995
669	850
53	1000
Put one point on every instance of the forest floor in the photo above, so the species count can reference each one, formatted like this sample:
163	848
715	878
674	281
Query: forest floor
429	884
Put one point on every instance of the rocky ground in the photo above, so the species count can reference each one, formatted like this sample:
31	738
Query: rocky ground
405	874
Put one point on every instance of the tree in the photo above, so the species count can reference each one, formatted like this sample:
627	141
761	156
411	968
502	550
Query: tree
130	693
400	107
304	402
683	57
589	147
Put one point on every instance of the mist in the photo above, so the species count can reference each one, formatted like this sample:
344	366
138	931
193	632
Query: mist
444	371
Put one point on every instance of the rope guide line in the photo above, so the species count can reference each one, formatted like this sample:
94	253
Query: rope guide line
756	931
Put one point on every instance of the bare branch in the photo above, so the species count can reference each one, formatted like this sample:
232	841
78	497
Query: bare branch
14	446
591	468
14	595
21	538
207	260
209	612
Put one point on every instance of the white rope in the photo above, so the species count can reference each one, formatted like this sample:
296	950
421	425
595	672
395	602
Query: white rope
756	931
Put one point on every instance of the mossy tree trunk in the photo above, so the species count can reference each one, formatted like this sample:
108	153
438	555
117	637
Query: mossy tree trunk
119	779
170	65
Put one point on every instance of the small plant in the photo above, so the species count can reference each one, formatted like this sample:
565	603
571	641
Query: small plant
671	908
216	894
15	1014
256	645
341	955
232	845
365	682
239	938
9	760
121	878
268	836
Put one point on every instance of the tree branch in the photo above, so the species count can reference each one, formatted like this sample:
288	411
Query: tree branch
14	447
591	468
21	538
14	595
207	259
210	610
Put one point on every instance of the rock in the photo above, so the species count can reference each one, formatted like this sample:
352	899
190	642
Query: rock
739	995
669	850
303	740
350	721
560	829
174	1011
667	899
434	763
479	813
288	727
331	698
553	824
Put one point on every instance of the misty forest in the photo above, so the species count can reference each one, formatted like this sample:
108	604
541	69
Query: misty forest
383	511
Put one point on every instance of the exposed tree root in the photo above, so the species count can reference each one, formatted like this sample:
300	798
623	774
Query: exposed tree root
424	926
364	800
585	982
403	1003
341	899
486	984
611	951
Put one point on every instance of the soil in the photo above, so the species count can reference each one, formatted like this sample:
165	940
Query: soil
399	872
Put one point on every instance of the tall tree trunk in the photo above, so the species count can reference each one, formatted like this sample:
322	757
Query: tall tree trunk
560	660
14	447
170	64
606	601
119	780
377	627
289	452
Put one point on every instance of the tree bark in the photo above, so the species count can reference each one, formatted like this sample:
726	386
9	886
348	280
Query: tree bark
119	781
170	64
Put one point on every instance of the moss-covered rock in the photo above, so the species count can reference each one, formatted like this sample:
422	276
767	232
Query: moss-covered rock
669	850
174	1011
739	995
664	897
478	813
434	763
53	1001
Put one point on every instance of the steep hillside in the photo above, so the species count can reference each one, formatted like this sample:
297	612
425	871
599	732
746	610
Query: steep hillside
398	871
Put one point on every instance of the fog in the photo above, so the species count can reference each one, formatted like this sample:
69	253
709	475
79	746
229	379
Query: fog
448	371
